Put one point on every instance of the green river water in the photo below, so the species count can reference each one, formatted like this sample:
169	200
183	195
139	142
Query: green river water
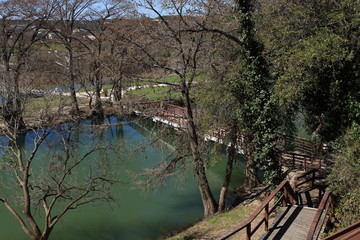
134	214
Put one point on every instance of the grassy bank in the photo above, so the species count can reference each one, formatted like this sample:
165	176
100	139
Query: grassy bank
215	226
35	105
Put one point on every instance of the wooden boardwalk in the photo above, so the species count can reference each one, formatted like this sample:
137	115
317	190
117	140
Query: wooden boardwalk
292	223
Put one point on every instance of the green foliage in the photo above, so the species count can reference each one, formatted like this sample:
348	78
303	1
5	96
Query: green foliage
345	179
314	46
252	88
218	105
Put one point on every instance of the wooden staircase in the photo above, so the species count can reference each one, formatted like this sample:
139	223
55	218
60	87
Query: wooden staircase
293	221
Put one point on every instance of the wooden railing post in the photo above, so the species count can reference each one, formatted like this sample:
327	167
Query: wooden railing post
313	179
285	198
293	158
286	190
248	231
267	217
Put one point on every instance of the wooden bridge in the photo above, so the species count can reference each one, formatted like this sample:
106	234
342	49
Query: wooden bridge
293	152
292	221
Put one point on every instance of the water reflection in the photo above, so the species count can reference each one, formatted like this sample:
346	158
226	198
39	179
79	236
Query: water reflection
133	214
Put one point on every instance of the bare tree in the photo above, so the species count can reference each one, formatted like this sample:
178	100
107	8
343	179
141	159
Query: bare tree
96	42
170	47
65	23
53	187
21	25
123	64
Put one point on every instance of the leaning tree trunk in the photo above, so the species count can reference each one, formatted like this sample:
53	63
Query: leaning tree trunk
229	167
209	203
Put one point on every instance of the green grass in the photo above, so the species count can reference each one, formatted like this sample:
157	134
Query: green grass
158	93
50	46
212	226
171	79
107	86
35	105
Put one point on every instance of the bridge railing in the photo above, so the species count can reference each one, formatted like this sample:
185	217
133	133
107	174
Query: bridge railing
299	161
320	217
304	146
288	196
305	176
351	233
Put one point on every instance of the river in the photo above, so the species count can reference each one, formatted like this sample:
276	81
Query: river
134	213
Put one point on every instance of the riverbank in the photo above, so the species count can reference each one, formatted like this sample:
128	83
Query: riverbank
57	115
217	225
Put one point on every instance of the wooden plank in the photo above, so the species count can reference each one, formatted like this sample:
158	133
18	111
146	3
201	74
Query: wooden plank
292	222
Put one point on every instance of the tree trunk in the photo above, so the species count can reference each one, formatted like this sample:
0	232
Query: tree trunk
46	234
99	111
12	110
251	172
117	90
229	167
74	103
207	197
18	111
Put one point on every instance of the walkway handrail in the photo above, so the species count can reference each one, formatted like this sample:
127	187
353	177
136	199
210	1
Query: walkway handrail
320	217
288	197
299	161
303	145
312	179
351	233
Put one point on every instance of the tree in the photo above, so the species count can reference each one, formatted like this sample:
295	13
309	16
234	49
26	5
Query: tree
314	47
252	86
54	186
96	26
120	64
218	114
180	55
216	101
65	23
255	119
20	30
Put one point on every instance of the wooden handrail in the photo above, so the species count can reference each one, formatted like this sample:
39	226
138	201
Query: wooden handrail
299	161
320	216
308	147
350	233
288	196
302	145
312	179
